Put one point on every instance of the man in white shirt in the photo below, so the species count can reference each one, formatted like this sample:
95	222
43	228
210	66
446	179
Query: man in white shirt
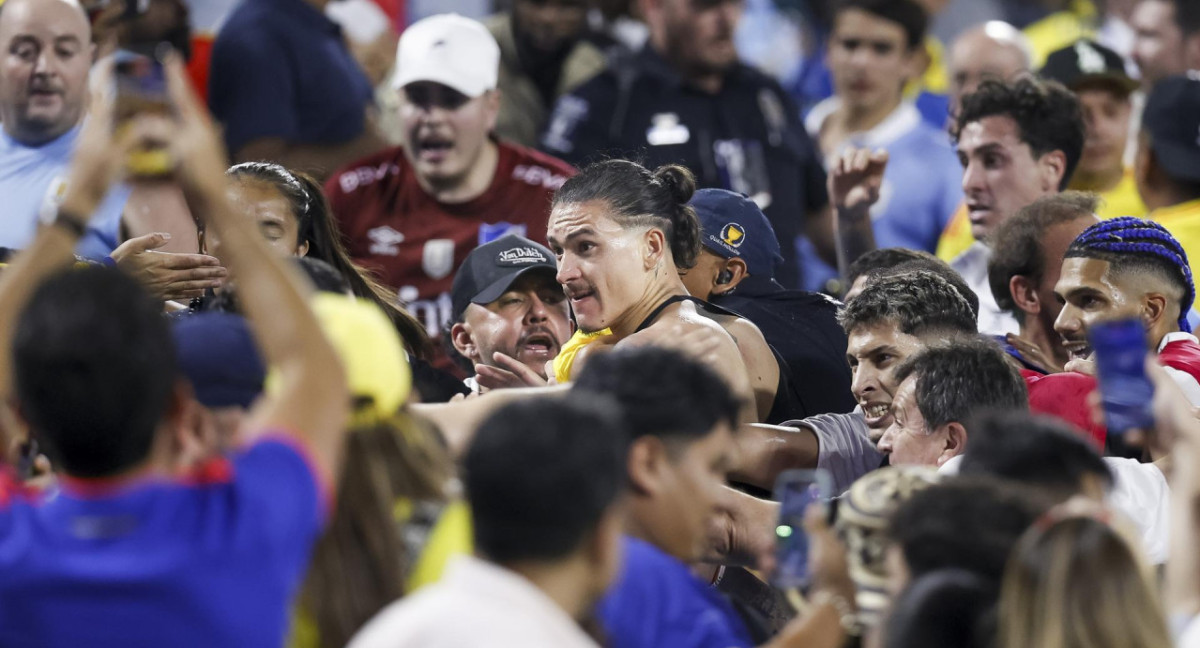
544	479
1017	142
1055	460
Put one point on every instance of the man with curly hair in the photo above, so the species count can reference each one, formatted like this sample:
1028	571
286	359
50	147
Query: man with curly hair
1017	141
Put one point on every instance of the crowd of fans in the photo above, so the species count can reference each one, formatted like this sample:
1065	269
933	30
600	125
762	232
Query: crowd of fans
321	327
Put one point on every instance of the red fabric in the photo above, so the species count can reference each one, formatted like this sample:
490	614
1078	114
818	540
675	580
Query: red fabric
12	488
414	243
395	12
199	64
217	470
1065	396
1182	355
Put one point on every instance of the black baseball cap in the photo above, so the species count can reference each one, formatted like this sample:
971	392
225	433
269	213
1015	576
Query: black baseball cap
491	268
1172	119
1086	62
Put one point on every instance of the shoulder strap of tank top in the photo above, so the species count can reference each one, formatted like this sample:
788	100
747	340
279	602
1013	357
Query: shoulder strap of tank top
671	300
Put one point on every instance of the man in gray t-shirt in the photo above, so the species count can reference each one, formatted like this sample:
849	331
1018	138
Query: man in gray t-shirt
893	318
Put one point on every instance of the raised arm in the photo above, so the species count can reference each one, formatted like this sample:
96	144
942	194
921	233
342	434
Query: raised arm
854	182
312	400
96	164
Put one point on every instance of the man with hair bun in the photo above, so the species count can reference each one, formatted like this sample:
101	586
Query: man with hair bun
685	98
621	234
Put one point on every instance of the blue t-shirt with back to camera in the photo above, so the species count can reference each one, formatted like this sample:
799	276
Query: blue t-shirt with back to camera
214	561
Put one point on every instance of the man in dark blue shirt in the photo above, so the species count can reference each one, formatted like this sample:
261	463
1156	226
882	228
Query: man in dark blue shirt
686	99
287	89
736	271
679	415
680	418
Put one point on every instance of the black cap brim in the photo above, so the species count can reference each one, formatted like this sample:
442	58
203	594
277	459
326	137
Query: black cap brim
492	291
1120	82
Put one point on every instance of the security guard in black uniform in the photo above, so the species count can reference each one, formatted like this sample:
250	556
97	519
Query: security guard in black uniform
697	105
735	271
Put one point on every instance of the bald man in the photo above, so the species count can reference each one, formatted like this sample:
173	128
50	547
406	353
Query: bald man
43	93
993	49
43	98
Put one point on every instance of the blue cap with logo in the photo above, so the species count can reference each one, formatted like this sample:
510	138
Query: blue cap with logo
733	226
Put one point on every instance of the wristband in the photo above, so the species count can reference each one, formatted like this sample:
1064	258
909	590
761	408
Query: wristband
68	220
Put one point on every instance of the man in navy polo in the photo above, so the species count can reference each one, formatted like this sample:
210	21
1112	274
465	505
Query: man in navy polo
286	88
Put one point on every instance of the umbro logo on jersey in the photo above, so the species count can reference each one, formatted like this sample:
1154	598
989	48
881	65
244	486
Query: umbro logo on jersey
385	241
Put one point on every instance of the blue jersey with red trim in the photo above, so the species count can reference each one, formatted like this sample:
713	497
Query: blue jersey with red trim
210	562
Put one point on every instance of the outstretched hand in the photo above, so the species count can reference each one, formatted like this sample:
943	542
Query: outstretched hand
855	179
168	275
1033	354
507	371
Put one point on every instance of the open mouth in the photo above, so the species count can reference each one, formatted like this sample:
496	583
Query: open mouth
978	213
434	148
540	343
876	411
1078	350
578	295
43	94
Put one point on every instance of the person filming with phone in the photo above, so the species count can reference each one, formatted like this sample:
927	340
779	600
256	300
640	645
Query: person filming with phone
43	99
43	106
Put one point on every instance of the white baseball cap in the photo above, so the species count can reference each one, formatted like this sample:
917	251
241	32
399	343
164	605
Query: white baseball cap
449	49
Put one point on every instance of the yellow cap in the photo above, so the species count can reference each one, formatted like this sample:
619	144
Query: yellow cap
374	359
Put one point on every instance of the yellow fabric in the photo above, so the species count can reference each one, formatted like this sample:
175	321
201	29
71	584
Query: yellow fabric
935	79
565	359
1123	199
1058	30
1183	222
957	237
373	357
450	537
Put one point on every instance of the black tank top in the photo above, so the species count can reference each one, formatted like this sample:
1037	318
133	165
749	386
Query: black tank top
788	404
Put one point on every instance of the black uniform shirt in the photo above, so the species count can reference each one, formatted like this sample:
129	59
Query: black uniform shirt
748	137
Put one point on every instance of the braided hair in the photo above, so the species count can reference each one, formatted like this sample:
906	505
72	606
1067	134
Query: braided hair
1129	243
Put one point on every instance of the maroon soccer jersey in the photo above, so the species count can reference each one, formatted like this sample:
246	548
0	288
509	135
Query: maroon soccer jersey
415	244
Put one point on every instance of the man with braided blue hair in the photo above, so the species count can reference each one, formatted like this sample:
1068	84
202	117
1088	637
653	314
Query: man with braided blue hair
1131	267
